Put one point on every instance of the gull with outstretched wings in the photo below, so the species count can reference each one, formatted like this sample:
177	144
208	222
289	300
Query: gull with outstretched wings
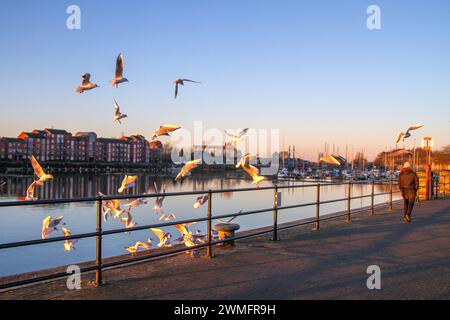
164	130
187	168
402	135
252	171
49	225
127	182
118	75
117	114
164	238
68	244
181	82
235	138
86	84
39	172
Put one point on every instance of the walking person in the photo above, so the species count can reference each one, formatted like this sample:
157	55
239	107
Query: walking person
408	183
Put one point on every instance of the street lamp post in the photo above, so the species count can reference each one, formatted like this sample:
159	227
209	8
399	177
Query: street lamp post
427	145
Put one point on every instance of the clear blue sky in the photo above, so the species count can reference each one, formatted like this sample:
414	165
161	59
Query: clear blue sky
309	68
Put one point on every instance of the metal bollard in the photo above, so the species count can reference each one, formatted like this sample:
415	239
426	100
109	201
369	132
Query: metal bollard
275	215
98	259
349	219
209	253
318	208
372	199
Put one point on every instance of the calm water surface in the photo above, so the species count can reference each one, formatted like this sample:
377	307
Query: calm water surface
24	223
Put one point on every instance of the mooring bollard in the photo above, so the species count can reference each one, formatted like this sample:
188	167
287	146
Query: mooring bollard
372	199
209	253
349	199
275	214
318	208
98	259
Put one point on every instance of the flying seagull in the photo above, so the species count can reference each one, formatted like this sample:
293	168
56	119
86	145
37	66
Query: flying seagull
68	244
187	168
164	130
330	159
167	217
49	225
39	172
403	135
86	84
127	182
252	171
200	201
181	82
164	238
236	138
139	244
117	114
30	192
159	200
118	75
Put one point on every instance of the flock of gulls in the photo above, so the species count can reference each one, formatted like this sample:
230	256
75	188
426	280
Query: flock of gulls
112	209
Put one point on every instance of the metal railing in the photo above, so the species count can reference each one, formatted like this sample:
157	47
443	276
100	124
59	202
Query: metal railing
100	266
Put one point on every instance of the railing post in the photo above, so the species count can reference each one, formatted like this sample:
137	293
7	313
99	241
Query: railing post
98	260
438	182
318	208
390	194
372	199
275	214
444	184
209	253
349	219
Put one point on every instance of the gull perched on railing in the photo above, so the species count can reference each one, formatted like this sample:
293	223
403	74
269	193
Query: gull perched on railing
117	114
236	138
118	75
181	82
127	182
49	225
68	244
86	84
403	135
200	201
164	238
165	130
39	172
252	171
187	168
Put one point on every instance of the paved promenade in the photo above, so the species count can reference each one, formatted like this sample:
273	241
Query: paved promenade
330	264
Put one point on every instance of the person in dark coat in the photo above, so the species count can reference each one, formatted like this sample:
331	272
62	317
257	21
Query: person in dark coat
408	183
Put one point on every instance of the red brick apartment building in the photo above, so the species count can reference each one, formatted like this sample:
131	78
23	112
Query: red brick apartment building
61	146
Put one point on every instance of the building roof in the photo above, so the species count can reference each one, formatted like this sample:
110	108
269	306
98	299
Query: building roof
31	135
112	140
57	131
85	134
